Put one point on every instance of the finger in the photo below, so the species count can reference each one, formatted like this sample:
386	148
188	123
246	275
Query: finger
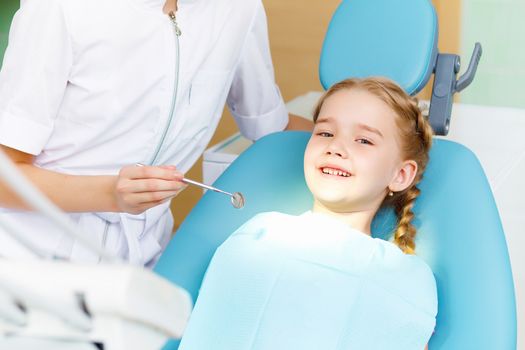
152	172
172	167
155	185
149	197
147	205
155	203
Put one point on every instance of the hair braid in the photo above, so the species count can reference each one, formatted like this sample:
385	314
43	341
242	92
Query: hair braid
405	232
403	202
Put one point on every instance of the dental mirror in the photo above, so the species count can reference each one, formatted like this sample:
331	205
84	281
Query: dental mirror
236	198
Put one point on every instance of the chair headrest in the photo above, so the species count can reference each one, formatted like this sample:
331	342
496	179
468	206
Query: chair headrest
392	38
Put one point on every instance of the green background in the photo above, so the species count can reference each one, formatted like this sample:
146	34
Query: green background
498	25
7	10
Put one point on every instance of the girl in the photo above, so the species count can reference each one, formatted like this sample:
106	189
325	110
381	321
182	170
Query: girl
319	280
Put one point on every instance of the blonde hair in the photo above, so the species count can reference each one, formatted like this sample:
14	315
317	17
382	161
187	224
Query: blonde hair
415	139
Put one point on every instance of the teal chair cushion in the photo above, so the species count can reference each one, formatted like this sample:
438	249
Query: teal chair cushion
391	38
460	234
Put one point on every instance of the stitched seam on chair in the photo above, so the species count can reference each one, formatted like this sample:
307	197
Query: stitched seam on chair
505	173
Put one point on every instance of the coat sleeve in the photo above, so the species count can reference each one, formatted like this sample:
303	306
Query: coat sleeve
254	98
34	75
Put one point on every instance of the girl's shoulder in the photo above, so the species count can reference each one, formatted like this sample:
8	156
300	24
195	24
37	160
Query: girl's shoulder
394	257
406	275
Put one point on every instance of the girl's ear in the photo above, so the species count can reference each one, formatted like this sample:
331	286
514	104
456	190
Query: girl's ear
404	176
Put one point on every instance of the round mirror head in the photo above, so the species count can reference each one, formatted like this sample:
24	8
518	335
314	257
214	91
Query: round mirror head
237	200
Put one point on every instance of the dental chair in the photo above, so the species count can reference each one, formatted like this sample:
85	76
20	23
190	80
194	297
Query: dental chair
460	235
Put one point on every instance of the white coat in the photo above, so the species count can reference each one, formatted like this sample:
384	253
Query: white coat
86	86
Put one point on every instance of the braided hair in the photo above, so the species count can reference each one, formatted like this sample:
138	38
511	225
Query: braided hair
415	139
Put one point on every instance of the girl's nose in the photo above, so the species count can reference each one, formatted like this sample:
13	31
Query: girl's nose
334	153
336	149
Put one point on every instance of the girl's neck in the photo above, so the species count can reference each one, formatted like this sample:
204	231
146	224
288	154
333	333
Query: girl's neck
359	220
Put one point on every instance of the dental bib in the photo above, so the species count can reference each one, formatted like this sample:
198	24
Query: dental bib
311	282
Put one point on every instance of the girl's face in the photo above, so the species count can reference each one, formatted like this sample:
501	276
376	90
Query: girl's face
353	158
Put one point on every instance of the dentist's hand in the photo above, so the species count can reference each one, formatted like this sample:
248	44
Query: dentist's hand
139	188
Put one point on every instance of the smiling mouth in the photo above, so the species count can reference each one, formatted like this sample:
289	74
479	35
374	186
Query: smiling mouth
335	172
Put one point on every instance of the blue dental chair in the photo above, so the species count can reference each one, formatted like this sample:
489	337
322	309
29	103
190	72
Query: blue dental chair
460	234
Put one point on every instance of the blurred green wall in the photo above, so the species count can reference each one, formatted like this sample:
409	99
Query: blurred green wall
499	26
7	10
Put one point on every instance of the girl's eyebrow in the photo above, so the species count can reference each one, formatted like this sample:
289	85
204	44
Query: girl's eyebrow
360	125
324	120
369	128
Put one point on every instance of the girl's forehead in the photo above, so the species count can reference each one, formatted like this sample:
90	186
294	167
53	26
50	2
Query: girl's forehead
356	105
354	98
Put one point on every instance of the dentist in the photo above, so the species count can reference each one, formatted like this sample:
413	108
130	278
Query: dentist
90	87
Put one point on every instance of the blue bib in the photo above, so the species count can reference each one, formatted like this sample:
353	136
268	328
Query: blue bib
311	282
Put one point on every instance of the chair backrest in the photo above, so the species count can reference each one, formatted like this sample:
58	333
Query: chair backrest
460	234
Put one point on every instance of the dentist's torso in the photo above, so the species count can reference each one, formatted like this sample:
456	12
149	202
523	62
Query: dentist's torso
115	107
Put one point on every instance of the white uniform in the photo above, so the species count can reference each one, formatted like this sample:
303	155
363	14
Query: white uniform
87	86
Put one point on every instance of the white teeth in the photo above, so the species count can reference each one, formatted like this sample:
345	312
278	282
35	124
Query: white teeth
335	172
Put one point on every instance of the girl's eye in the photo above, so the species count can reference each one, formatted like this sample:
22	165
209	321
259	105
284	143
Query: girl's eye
364	141
324	134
